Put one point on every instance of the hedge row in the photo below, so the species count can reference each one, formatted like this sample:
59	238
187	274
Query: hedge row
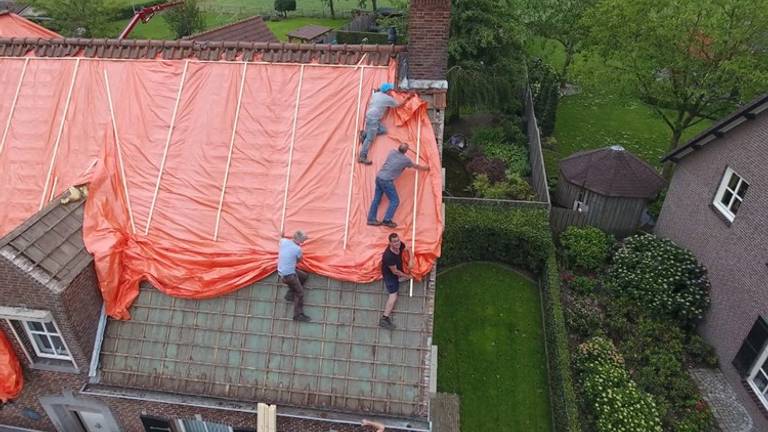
565	409
516	236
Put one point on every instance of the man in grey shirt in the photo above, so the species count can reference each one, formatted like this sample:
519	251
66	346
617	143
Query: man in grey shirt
380	102
396	162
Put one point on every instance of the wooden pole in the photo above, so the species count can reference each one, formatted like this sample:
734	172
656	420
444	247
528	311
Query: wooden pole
290	152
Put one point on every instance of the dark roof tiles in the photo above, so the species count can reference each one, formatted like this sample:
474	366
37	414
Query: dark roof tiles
309	32
252	29
370	55
612	171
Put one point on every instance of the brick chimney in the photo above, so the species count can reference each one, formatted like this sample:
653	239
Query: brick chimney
428	27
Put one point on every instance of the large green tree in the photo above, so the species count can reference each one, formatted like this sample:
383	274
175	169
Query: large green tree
689	60
186	19
485	62
87	18
559	20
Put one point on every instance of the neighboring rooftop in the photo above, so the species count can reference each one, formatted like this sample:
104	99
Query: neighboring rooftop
308	32
371	55
612	171
49	246
245	347
252	29
15	26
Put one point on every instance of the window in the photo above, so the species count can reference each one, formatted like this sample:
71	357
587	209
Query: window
46	339
730	194
758	379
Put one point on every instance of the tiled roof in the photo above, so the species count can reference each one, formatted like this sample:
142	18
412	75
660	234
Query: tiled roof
612	171
252	29
49	245
376	55
309	32
245	347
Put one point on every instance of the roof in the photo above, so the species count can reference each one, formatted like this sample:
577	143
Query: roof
245	347
612	171
252	29
12	25
746	112
372	55
309	32
49	246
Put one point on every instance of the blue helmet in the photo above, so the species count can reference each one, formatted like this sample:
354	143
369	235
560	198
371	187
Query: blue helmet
386	87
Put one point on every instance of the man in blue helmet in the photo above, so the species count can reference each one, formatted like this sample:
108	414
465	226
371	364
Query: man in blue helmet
380	102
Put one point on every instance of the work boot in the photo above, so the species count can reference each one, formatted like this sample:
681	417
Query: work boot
374	223
302	318
364	161
389	224
386	322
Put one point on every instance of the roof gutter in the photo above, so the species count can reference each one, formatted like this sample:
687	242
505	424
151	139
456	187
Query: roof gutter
98	343
743	114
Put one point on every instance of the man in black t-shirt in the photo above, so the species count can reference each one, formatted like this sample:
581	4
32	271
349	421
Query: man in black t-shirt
392	271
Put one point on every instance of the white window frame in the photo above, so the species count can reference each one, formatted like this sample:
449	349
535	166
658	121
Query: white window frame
180	423
46	334
726	179
756	368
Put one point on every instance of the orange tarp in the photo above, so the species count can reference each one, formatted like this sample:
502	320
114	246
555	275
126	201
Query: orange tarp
206	166
11	379
12	25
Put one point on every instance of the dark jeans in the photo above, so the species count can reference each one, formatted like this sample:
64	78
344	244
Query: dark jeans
295	284
384	187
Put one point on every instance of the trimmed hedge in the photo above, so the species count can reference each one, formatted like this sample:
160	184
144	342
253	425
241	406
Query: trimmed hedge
516	236
565	408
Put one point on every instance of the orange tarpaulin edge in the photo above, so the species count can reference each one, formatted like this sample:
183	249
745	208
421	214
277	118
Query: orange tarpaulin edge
11	379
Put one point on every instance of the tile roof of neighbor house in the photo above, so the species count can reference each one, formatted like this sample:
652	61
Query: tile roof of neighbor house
49	246
612	171
252	29
309	32
244	346
746	112
372	55
15	26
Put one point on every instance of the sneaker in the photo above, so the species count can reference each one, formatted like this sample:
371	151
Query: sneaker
365	161
386	322
374	223
302	318
289	297
389	224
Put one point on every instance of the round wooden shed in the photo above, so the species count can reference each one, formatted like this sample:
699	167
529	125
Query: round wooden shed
608	188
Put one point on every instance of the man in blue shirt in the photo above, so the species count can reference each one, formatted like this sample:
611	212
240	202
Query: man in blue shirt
396	162
380	102
288	255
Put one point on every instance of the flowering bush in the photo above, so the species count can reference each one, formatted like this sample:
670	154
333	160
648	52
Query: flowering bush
494	169
586	248
618	405
662	278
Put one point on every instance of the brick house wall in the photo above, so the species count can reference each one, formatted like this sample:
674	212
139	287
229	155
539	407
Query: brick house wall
736	254
428	27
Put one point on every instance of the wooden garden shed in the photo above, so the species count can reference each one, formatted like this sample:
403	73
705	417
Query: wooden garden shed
608	188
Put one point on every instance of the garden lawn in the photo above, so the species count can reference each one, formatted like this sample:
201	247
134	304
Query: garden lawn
247	8
488	330
602	114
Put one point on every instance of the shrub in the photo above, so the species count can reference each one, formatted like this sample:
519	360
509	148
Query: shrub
583	285
565	411
514	188
545	86
586	248
519	237
700	352
610	393
284	6
494	169
584	316
353	38
662	278
496	144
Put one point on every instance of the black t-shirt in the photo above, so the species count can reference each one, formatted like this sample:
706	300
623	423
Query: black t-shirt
388	259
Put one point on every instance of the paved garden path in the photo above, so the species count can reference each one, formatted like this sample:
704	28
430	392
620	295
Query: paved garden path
445	412
717	391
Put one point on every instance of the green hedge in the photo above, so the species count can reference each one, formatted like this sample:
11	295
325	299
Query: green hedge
565	408
350	37
516	236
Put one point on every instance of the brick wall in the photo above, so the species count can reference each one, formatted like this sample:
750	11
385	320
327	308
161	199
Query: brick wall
734	254
428	28
77	311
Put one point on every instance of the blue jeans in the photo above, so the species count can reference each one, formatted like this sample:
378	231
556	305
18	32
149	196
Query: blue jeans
373	128
384	187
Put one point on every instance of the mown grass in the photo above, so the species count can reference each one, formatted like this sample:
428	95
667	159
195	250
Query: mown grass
488	330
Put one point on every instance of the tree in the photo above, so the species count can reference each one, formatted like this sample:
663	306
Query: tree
185	19
485	62
362	4
689	61
560	20
83	18
283	6
329	3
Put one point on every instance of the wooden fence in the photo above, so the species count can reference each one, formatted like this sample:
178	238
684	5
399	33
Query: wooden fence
561	218
536	157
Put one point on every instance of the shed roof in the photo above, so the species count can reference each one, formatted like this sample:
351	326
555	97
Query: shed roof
612	171
245	347
309	32
252	29
49	245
